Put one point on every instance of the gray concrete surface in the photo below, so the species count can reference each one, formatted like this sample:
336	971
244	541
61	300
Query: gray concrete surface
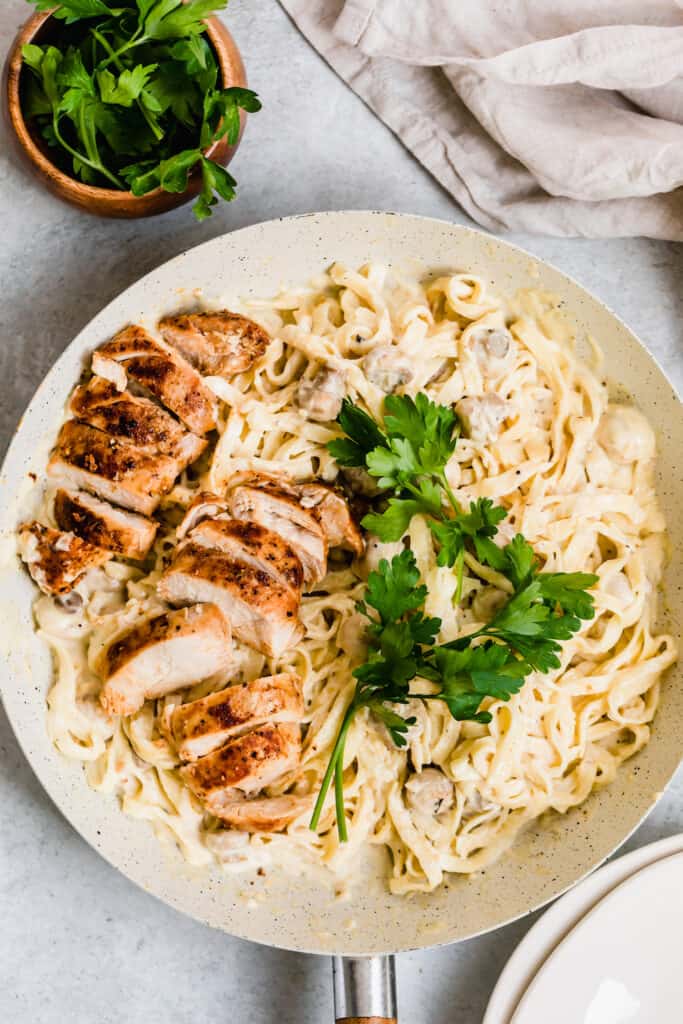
79	944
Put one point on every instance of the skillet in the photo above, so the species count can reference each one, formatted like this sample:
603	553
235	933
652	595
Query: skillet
300	913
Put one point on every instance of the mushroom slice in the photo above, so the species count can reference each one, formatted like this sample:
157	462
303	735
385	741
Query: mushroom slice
162	371
262	548
262	813
201	726
162	654
321	397
114	470
429	792
220	344
482	416
135	419
262	612
387	368
56	561
332	512
248	763
113	529
275	505
205	506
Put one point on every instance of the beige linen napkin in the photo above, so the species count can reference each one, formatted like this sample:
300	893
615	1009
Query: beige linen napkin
560	117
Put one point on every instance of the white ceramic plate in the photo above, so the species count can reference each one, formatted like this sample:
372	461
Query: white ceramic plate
621	964
300	913
540	941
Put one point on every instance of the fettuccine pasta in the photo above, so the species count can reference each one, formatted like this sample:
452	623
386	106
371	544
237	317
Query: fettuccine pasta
575	475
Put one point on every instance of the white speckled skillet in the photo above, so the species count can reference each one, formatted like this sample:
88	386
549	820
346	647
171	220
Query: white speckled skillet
297	914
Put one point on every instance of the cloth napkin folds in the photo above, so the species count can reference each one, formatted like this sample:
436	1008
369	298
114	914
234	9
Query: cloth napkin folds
560	117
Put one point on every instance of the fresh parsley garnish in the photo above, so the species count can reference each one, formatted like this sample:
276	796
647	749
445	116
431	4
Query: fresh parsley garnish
492	662
408	455
130	98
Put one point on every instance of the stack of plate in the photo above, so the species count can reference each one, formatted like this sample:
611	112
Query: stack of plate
608	952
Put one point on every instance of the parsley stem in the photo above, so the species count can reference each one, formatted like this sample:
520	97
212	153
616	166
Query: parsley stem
337	755
96	166
113	55
449	492
339	799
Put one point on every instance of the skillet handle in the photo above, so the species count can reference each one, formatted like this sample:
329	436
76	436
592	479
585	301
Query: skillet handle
364	990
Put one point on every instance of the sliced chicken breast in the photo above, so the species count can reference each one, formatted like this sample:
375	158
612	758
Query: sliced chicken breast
262	813
115	470
159	368
135	419
56	561
259	499
205	506
254	544
218	344
99	523
201	726
248	763
166	653
332	512
262	611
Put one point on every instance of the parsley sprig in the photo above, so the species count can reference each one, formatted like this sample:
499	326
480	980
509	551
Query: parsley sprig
492	662
408	454
130	96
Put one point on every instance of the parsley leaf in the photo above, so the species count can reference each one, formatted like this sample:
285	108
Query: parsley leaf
73	10
362	436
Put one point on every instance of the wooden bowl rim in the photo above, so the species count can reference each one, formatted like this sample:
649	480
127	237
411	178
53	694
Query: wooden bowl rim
217	33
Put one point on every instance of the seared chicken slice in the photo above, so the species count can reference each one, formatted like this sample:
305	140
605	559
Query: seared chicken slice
203	725
332	512
248	763
263	813
219	344
254	544
166	653
205	506
114	470
262	611
135	419
259	499
159	368
56	561
98	522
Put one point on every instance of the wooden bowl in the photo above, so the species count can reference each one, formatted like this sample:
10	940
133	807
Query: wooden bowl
108	202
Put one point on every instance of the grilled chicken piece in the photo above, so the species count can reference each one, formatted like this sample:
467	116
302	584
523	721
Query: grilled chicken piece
205	506
114	470
135	419
166	653
321	396
159	368
56	561
260	499
255	545
201	726
263	813
247	763
262	611
219	344
99	523
332	512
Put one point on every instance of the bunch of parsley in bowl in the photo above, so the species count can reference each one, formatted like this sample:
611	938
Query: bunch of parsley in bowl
128	95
